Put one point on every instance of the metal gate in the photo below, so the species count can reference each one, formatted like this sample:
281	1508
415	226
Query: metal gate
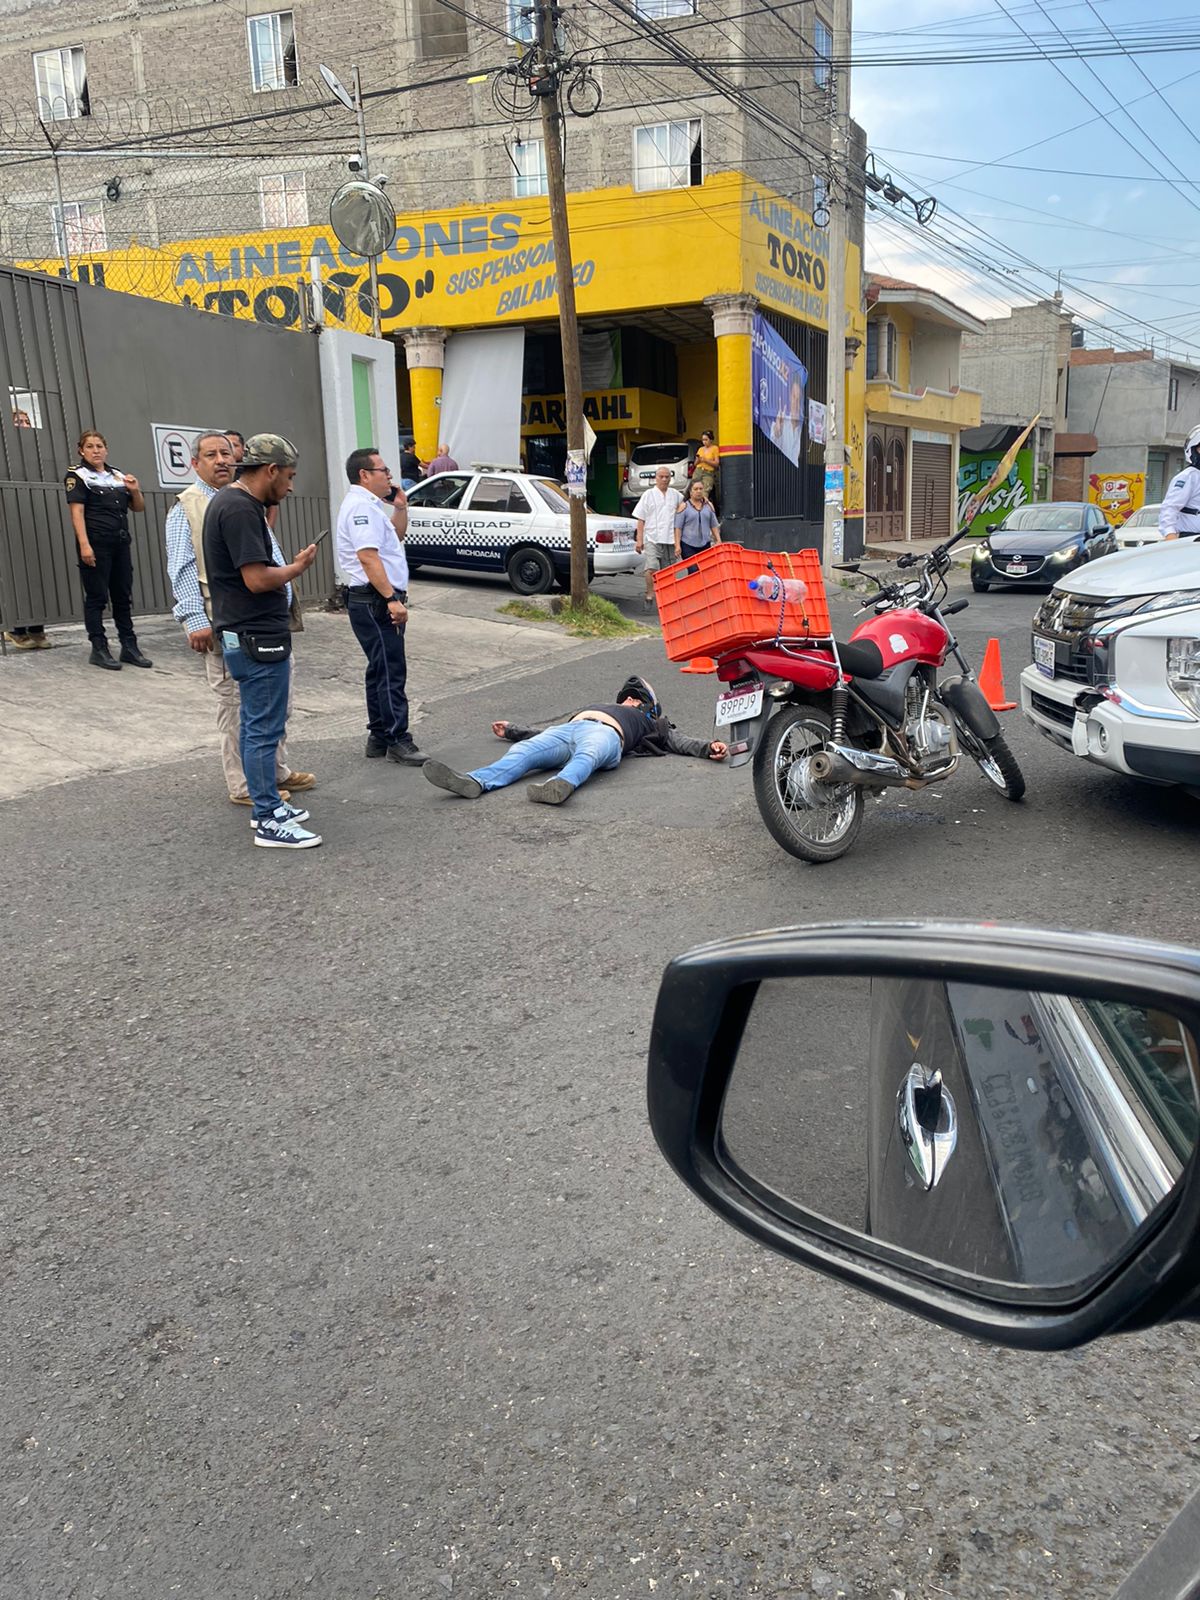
930	491
45	403
47	400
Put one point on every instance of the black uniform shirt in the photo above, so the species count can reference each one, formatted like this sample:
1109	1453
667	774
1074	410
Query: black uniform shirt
105	501
236	535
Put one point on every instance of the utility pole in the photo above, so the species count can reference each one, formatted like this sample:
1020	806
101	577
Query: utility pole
839	202
547	89
62	211
365	174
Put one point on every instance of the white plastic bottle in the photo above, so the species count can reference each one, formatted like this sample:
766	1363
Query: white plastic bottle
769	587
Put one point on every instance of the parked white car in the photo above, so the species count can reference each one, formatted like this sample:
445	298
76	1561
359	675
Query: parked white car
1115	677
494	519
1139	529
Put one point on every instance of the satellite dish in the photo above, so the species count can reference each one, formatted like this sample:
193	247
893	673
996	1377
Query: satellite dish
363	218
337	88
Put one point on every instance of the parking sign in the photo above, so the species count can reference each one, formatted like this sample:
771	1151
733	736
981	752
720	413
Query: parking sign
173	454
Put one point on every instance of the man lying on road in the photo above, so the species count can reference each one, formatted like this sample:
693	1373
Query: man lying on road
594	739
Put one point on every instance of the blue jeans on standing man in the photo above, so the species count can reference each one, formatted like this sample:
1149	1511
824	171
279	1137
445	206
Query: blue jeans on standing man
387	668
263	688
578	748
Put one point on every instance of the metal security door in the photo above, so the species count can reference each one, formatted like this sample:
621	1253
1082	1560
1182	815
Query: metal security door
45	400
930	491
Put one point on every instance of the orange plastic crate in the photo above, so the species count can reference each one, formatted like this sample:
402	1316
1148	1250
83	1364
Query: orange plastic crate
706	608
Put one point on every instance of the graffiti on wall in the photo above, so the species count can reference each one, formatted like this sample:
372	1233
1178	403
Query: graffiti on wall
1118	494
975	467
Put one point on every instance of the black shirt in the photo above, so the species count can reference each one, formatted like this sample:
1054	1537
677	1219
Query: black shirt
236	535
105	501
410	465
634	723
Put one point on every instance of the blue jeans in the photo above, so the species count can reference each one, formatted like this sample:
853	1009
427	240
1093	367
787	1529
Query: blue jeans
387	670
263	689
577	748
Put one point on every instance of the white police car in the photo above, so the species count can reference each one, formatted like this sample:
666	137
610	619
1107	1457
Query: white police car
494	519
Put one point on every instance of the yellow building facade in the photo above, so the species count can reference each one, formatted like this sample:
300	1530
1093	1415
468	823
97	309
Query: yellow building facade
915	411
676	276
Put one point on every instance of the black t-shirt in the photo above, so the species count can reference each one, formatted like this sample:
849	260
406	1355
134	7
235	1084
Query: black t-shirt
410	465
633	721
235	536
105	501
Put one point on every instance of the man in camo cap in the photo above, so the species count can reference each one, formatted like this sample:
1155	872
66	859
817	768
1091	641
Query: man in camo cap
251	595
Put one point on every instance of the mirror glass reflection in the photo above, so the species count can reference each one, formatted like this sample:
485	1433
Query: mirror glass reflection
1019	1136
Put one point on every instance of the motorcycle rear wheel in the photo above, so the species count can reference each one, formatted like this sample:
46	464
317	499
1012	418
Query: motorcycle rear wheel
995	760
788	799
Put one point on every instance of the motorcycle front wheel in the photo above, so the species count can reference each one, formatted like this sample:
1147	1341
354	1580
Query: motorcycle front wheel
995	760
814	821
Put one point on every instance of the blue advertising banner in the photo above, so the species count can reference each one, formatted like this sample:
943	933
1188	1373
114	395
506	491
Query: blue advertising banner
778	380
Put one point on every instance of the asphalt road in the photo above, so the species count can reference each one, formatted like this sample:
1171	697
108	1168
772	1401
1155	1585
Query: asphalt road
340	1260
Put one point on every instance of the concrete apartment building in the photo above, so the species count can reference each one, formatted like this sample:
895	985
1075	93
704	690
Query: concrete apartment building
1138	409
1018	363
197	150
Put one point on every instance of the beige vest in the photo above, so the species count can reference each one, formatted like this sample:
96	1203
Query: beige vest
195	503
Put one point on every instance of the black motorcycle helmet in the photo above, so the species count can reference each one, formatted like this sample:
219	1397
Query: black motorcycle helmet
638	689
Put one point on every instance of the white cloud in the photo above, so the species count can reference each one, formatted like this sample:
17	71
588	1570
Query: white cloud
914	263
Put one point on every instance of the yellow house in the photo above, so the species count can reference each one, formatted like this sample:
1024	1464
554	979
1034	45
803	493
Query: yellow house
671	286
915	410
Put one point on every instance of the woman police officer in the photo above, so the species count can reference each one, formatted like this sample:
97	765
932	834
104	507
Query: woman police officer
99	499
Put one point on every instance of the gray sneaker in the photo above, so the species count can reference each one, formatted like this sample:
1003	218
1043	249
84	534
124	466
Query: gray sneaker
552	792
453	782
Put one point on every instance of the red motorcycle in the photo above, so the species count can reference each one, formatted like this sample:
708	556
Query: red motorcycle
824	722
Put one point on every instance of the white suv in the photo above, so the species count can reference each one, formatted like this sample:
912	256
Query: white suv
1115	676
644	462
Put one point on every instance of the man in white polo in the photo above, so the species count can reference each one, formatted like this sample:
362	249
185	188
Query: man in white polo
371	525
656	536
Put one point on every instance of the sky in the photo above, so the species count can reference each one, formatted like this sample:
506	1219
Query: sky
1041	168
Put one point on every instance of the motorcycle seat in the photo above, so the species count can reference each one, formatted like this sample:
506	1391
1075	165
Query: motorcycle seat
861	658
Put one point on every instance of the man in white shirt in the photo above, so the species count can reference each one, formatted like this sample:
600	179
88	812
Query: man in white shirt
371	525
656	536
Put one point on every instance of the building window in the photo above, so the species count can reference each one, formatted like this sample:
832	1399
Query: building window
272	51
823	50
284	200
79	226
655	10
881	350
520	28
668	155
1173	395
25	407
61	79
439	30
529	162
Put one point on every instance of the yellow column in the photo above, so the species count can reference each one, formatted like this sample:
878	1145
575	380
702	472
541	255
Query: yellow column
425	354
733	323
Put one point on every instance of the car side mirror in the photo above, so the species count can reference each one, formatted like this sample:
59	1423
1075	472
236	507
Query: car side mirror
995	1128
991	527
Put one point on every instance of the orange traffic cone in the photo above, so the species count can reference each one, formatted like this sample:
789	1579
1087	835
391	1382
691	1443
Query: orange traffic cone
699	664
991	679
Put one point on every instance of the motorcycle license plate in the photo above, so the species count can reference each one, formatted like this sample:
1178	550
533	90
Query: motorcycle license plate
1017	568
1043	656
741	706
